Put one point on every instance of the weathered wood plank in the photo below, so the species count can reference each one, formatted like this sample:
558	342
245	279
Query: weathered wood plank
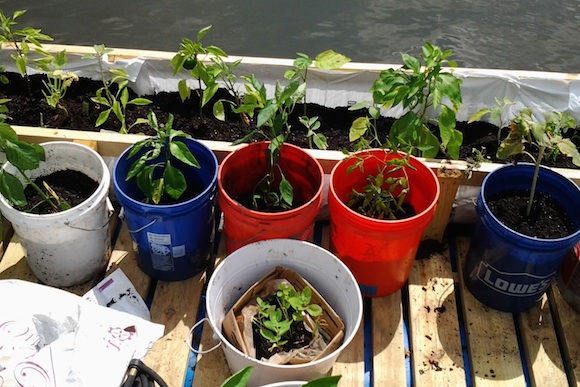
389	354
175	304
567	321
492	341
449	181
435	338
541	346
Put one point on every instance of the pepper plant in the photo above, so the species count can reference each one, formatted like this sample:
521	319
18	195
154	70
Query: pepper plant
207	65
418	86
281	310
170	181
24	157
20	40
115	101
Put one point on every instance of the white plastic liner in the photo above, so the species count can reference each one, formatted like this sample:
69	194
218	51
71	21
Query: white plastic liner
150	73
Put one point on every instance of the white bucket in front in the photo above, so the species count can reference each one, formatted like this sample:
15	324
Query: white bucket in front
72	246
245	266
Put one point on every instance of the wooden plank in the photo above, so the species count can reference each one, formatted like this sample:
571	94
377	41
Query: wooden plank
541	346
389	354
175	305
435	338
492	341
350	363
211	368
567	321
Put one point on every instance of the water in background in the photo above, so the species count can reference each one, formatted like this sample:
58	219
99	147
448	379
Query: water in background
506	34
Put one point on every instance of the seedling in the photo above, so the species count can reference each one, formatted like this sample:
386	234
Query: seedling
114	101
547	136
419	88
277	314
20	40
496	113
58	80
24	157
170	180
194	57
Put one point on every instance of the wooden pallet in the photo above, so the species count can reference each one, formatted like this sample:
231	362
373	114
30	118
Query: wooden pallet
432	332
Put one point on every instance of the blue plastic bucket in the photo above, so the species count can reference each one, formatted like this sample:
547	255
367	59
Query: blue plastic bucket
507	270
173	240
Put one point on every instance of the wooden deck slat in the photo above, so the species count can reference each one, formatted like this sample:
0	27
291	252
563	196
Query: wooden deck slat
541	346
435	337
567	321
389	354
492	340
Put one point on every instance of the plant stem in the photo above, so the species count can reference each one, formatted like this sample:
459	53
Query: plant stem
43	195
535	180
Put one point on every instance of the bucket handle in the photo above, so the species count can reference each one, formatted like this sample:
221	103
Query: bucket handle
143	228
110	210
190	333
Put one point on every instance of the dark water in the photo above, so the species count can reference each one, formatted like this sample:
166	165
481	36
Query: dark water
510	34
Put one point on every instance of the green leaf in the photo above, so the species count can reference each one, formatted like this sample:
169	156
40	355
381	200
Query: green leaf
139	101
286	190
330	60
180	151
157	190
325	381
358	128
208	93
567	147
21	65
184	90
175	184
219	111
478	115
241	378
22	155
103	117
266	114
12	189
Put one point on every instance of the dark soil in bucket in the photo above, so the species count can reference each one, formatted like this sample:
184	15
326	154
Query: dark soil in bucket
547	219
70	186
298	336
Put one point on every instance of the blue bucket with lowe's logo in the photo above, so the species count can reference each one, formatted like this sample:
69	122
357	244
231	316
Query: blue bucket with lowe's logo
507	270
174	241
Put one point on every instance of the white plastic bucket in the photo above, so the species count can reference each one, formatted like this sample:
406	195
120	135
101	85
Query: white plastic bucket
69	247
325	272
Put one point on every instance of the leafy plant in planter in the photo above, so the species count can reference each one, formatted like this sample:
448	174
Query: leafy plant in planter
192	56
281	311
171	181
24	156
527	217
417	88
20	40
115	101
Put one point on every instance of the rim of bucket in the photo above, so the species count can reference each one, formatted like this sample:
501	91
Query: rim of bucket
508	230
206	191
346	340
224	195
101	190
415	162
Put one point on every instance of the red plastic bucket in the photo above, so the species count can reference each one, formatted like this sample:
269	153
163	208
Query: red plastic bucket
380	253
239	173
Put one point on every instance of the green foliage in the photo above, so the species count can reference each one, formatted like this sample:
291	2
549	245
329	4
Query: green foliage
285	307
58	80
206	64
312	125
20	39
496	113
171	180
240	379
114	101
547	136
24	157
419	85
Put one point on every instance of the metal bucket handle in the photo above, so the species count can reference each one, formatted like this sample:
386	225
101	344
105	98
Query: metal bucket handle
190	333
